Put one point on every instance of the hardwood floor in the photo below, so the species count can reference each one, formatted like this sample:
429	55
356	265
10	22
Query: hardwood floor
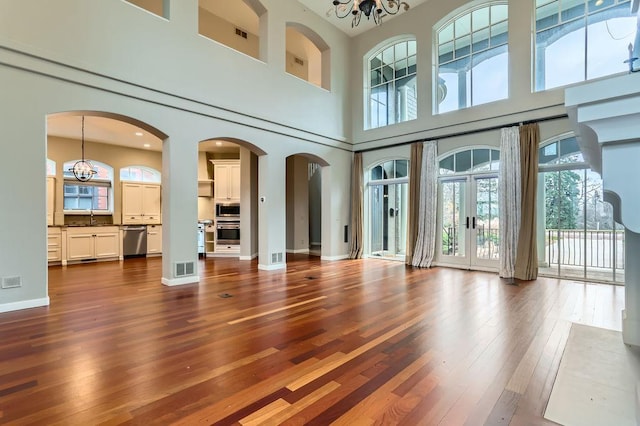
346	342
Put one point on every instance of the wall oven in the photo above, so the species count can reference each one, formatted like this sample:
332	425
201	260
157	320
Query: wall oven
228	211
228	232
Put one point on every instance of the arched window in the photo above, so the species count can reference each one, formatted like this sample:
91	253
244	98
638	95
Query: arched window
391	95
473	60
577	234
140	174
51	167
470	161
93	195
580	40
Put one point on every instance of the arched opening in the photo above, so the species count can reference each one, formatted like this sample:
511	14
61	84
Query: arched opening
304	204
307	55
157	7
235	24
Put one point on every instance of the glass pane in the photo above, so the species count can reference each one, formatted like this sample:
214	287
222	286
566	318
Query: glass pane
490	77
457	93
453	218
480	19
446	165
547	16
445	52
463	46
406	99
463	161
463	26
375	77
411	47
411	65
569	146
571	9
480	40
562	52
401	51
499	13
548	153
446	34
401	68
387	56
499	34
378	207
402	168
487	222
481	160
388	170
376	173
597	5
608	41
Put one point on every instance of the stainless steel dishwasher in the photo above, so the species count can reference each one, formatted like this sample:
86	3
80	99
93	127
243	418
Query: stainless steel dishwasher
134	241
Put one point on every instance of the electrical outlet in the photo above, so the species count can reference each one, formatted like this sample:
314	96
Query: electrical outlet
11	282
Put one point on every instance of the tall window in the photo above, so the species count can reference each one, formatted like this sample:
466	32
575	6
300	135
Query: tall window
140	174
92	195
577	234
392	95
473	60
578	40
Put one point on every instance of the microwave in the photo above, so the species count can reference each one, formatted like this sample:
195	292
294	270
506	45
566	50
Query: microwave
227	210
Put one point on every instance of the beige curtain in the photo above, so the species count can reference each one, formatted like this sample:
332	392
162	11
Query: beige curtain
526	267
356	244
425	247
414	199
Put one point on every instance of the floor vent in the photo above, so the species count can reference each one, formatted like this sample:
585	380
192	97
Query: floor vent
184	269
11	282
276	257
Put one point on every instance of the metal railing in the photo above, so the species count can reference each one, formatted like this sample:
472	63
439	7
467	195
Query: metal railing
591	248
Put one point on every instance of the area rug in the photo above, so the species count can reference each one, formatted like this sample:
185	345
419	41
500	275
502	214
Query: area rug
596	380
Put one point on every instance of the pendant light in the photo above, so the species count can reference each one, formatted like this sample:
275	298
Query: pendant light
83	170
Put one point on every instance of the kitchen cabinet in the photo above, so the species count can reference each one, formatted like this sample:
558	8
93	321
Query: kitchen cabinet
54	245
140	203
93	242
210	238
226	176
154	239
51	194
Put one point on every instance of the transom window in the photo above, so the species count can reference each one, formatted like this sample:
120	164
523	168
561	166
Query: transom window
392	169
140	174
471	161
473	60
392	96
93	195
578	40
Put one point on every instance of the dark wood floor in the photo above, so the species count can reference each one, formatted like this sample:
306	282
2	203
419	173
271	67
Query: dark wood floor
349	342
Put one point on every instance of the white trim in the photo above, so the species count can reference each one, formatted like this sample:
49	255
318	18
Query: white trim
340	257
170	282
630	330
251	257
24	304
272	267
305	251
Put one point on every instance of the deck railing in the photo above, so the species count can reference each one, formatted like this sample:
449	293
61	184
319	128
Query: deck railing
591	248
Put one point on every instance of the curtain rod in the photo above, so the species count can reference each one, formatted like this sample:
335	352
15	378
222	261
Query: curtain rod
467	132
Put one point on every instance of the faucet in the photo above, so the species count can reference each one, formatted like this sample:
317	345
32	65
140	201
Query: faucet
92	220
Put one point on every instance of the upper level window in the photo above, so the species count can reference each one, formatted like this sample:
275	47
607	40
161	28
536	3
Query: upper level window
392	95
473	59
92	195
471	161
578	40
140	174
51	167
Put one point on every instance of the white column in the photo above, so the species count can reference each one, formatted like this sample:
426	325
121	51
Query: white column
179	211
271	212
631	312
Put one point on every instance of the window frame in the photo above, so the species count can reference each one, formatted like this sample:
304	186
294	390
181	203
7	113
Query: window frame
143	169
106	181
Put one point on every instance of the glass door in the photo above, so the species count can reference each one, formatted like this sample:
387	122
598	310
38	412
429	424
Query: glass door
469	231
388	220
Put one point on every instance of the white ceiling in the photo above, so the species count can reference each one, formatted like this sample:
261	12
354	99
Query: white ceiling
326	10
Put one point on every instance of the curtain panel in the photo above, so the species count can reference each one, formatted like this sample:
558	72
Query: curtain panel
425	246
526	267
510	199
414	199
356	243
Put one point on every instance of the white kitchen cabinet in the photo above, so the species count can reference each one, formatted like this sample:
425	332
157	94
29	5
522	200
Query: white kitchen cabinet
140	203
93	243
54	245
154	239
226	175
51	198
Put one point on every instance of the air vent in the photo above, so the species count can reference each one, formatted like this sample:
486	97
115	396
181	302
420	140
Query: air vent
241	33
11	282
299	61
276	257
184	269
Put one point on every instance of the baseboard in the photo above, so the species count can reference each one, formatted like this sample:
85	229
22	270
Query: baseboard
630	330
340	257
253	256
24	304
275	267
312	243
170	282
298	251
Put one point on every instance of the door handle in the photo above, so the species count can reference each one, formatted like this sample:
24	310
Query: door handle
467	222
474	222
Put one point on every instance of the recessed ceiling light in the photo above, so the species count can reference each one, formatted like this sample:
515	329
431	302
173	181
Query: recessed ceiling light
218	143
139	134
146	145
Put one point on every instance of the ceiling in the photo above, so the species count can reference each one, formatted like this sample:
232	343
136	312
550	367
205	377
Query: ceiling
326	10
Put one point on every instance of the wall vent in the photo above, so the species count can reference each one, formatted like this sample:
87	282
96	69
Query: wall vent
11	282
298	61
276	257
184	269
241	33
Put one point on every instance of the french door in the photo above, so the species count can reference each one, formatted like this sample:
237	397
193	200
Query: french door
388	220
468	222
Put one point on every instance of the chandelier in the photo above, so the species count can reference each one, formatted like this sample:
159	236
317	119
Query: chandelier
83	169
375	8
